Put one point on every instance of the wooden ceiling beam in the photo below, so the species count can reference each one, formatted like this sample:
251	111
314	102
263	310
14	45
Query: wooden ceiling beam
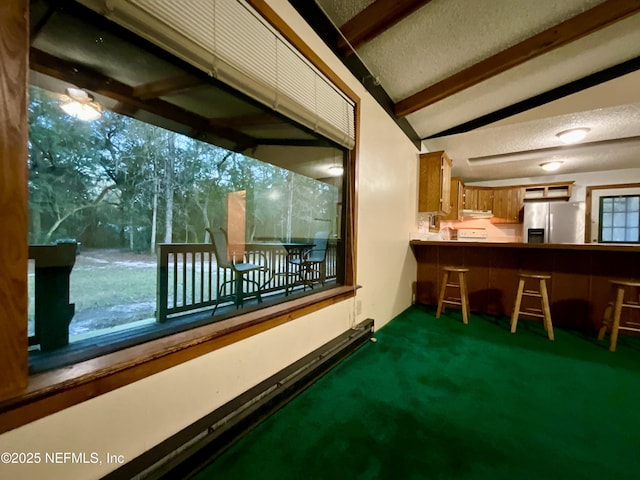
601	16
255	120
295	142
124	94
374	20
125	109
167	86
597	78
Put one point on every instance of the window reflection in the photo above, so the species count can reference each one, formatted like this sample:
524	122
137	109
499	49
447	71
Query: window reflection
122	190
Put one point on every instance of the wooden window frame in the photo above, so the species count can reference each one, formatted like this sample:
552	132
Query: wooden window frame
588	200
600	215
24	399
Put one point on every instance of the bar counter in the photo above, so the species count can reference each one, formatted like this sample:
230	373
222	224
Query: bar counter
579	290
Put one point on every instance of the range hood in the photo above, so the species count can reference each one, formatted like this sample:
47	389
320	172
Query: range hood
477	213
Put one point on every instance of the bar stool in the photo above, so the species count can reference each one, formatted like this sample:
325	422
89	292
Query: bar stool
620	287
462	300
541	293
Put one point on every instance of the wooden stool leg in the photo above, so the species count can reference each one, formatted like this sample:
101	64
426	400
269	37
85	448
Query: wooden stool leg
443	289
464	299
616	319
516	308
606	321
546	310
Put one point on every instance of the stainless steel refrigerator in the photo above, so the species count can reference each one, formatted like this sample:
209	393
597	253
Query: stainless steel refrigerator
554	222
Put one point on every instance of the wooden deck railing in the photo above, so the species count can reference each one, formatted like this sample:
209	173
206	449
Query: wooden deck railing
189	278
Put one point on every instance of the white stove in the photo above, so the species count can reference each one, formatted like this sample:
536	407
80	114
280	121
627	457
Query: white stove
472	234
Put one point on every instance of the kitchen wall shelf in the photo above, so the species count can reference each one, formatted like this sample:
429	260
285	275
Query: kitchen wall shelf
548	191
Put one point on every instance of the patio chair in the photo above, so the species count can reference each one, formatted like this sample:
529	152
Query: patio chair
312	263
239	268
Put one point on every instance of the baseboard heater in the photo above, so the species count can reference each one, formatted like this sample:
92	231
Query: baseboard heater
188	451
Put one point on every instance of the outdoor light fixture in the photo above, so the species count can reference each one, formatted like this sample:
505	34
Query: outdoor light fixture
551	166
79	104
572	135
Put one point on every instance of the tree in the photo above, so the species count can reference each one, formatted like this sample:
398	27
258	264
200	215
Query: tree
121	182
64	179
168	186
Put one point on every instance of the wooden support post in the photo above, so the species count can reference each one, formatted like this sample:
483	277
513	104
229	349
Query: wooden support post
14	54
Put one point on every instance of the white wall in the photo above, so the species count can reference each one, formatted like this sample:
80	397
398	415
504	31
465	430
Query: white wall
134	418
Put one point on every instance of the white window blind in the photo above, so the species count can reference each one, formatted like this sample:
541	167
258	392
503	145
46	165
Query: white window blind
233	43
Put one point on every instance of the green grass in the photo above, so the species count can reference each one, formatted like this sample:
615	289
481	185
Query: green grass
99	288
110	288
105	287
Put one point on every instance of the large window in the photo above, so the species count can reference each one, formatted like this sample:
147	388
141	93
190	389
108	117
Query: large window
176	202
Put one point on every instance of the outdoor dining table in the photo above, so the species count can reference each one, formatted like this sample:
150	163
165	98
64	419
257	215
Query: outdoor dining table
294	250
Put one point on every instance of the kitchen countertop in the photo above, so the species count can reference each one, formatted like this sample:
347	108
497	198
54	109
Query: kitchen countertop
579	289
537	246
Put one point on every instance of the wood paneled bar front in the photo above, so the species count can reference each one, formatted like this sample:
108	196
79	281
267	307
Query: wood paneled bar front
579	290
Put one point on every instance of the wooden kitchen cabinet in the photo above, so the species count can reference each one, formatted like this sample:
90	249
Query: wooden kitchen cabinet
456	199
478	198
549	191
508	204
434	183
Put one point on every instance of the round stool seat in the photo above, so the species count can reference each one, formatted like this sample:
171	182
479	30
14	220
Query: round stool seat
625	283
538	276
541	293
455	269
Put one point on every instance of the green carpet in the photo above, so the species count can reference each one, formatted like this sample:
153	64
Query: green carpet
440	400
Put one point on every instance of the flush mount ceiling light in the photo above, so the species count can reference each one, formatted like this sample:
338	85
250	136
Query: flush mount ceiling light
79	104
336	170
551	166
572	135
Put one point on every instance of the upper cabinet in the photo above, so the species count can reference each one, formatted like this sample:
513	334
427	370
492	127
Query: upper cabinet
478	198
456	200
549	191
434	183
448	197
508	204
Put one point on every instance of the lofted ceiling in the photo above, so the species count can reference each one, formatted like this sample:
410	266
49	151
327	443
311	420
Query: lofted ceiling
493	81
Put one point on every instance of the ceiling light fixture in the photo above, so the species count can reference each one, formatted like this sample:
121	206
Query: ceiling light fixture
551	166
336	170
572	135
79	104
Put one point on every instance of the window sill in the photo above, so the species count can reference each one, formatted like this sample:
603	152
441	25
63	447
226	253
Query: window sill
55	390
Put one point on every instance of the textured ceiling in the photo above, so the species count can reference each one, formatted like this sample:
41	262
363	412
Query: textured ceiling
603	49
444	37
